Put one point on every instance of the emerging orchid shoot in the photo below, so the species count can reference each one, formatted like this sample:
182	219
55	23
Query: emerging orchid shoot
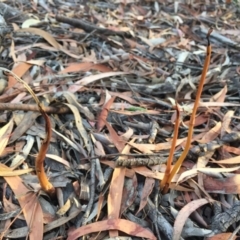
168	177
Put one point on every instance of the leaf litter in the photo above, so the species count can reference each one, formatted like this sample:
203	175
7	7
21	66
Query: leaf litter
103	97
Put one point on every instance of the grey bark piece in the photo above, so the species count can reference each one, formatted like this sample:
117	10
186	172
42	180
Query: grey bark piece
6	216
137	220
222	221
155	216
11	14
17	233
164	226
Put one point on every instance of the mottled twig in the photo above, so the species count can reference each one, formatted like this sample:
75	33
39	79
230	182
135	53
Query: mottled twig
222	221
34	108
150	161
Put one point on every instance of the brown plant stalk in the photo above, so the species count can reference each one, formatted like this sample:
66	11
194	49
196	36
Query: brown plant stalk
193	116
39	161
174	141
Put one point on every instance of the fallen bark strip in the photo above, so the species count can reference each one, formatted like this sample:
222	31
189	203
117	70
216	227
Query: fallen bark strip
89	27
31	107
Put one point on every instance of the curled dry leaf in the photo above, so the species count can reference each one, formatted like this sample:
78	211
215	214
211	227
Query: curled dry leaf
127	96
147	189
211	134
71	99
156	147
117	140
90	79
71	143
27	121
199	120
129	193
116	192
210	171
218	104
82	131
123	225
58	159
226	122
230	149
47	36
156	175
85	66
228	185
137	112
234	160
64	208
19	70
104	114
29	22
183	215
60	221
29	203
220	96
5	132
10	173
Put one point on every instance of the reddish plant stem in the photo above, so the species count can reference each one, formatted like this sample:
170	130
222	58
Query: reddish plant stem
192	119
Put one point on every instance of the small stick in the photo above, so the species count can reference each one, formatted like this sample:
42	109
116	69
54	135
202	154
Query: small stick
89	27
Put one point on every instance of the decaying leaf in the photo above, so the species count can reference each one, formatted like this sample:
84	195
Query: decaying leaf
81	129
27	121
112	224
64	208
104	113
30	206
90	79
43	34
229	185
184	214
85	66
5	135
9	173
19	70
147	189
